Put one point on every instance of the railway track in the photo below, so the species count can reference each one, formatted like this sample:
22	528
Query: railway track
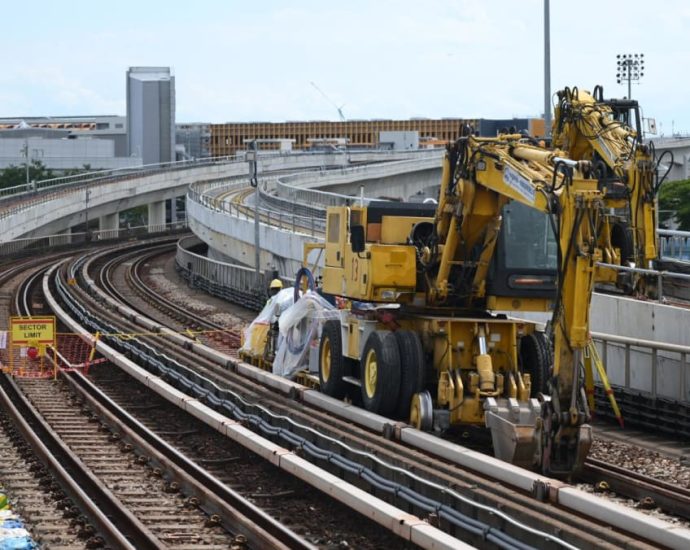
649	493
520	517
37	493
124	487
350	524
146	509
40	489
361	437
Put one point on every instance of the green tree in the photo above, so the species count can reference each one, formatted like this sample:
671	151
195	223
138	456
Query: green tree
16	175
12	175
674	203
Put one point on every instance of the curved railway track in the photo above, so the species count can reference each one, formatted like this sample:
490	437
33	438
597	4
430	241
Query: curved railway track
119	484
332	444
425	461
602	476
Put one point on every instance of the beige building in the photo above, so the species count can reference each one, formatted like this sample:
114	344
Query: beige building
230	137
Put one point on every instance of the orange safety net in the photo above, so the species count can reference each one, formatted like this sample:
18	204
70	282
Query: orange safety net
22	363
71	353
74	353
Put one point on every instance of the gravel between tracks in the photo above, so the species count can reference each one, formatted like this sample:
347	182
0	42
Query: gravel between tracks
625	455
643	461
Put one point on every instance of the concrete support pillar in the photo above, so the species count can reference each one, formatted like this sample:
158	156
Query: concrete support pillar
109	226
173	210
63	237
156	216
182	214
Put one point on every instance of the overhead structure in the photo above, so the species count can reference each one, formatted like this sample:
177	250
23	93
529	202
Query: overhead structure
339	109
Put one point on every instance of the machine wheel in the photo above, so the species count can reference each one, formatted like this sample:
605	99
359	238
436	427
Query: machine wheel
332	364
412	370
422	411
536	360
380	373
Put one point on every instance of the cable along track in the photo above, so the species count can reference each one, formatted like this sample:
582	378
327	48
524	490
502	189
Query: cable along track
140	490
349	525
524	508
648	492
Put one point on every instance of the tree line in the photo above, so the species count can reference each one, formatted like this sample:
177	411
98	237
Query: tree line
674	204
16	175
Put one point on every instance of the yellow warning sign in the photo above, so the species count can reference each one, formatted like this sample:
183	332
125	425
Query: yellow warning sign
32	330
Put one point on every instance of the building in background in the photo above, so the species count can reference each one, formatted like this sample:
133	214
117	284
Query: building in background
399	141
228	138
679	169
151	114
193	140
63	143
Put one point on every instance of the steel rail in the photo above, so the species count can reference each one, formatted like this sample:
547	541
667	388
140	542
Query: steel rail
115	523
260	530
240	515
135	277
334	461
650	492
84	316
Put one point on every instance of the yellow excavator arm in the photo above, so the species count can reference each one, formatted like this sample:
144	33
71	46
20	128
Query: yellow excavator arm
479	177
588	127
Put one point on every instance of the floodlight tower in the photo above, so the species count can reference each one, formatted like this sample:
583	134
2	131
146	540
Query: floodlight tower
630	67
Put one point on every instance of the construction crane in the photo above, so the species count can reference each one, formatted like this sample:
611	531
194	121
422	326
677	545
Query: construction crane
339	109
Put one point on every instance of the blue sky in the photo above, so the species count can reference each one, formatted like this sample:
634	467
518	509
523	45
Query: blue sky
242	61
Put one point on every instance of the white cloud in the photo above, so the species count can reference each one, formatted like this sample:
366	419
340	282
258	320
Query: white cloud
235	61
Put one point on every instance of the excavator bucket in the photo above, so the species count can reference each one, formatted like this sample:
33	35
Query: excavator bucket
515	430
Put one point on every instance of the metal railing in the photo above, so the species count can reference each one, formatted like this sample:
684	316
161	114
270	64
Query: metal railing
33	245
232	282
659	275
34	187
674	244
311	225
657	355
22	197
102	176
286	188
20	202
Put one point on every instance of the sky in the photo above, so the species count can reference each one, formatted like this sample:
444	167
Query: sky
256	61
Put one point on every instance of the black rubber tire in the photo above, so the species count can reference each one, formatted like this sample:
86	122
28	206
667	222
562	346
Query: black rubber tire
412	370
384	395
333	384
536	359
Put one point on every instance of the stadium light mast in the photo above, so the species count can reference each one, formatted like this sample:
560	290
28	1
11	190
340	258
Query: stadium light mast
630	67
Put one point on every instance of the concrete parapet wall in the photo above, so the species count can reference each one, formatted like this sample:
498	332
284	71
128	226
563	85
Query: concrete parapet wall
67	207
233	237
650	321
